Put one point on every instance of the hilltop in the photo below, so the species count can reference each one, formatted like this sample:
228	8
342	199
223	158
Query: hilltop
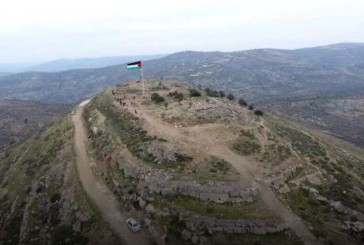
191	165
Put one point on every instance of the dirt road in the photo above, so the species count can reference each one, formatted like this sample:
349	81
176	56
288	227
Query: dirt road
98	191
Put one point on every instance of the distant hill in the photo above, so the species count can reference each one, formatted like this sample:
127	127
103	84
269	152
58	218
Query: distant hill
3	74
88	63
71	64
10	68
257	75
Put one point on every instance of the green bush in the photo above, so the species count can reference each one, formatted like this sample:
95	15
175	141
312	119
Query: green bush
214	93
242	102
157	98
258	112
176	95
55	197
230	97
194	93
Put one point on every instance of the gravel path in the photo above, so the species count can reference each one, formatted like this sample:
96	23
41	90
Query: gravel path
99	192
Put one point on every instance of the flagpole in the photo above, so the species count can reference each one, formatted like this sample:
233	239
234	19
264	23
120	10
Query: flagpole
142	79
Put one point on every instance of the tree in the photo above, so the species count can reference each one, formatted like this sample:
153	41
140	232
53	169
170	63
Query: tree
258	113
230	97
194	93
222	94
176	95
157	98
214	93
251	107
242	102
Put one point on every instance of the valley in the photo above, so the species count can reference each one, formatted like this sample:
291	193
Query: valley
20	120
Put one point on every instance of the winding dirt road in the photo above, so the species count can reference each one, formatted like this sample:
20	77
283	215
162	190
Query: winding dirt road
99	192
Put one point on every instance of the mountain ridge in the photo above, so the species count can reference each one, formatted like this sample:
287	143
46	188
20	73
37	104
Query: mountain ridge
246	69
65	64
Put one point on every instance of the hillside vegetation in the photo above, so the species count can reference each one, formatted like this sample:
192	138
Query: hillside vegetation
41	199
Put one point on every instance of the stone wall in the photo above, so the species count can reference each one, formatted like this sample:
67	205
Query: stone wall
160	182
197	226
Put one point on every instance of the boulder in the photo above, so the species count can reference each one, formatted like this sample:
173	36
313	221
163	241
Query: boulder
150	209
195	239
142	203
186	235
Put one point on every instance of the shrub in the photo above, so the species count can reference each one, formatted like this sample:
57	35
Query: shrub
157	98
55	197
194	93
242	102
230	97
251	107
176	95
214	93
258	113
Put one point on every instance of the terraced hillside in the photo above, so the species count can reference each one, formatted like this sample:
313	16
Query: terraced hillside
204	169
41	198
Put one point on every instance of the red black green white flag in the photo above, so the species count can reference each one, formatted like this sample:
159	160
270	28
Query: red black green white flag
134	66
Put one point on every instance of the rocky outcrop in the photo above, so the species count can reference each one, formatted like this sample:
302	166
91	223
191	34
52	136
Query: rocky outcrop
163	152
354	226
278	180
208	111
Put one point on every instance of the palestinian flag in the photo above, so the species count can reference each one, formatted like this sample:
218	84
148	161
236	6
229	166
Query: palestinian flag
134	66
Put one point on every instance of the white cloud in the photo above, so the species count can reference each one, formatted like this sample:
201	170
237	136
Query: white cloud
40	30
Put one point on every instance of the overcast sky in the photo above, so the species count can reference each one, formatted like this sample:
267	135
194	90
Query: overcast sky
42	30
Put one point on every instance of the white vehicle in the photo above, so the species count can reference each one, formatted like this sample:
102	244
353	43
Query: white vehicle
133	224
